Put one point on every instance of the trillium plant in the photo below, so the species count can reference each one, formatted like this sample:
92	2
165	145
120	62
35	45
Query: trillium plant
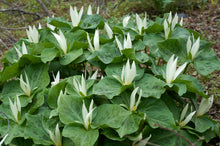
89	81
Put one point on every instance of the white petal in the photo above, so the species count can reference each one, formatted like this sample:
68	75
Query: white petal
181	21
205	105
188	45
109	31
139	23
125	21
24	48
94	76
18	104
174	22
127	42
3	139
195	48
89	11
170	70
179	70
188	118
58	135
18	52
139	99
170	17
90	44
145	21
166	29
118	43
39	26
132	98
13	109
96	39
183	113
97	12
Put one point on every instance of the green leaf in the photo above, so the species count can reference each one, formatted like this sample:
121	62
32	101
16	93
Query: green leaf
70	109
59	22
130	125
205	63
109	115
37	101
180	33
192	84
157	113
129	53
138	45
164	137
151	40
35	129
9	72
71	56
49	54
151	86
141	57
179	88
155	28
202	124
91	21
112	134
80	136
11	89
107	86
54	92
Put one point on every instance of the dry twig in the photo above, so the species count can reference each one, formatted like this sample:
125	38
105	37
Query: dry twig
44	7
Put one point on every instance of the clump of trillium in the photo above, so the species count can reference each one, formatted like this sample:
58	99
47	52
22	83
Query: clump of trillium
141	23
89	11
16	109
182	122
95	41
56	137
25	86
127	43
133	105
87	115
75	16
128	74
61	41
170	23
171	72
33	34
24	50
192	47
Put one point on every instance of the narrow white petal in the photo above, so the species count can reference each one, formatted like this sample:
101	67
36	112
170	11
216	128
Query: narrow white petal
188	118
127	73
144	141
80	15
125	21
24	48
118	43
89	41
83	85
195	48
174	22
96	39
89	11
123	74
166	29
139	99
109	31
188	45
127	42
18	104
97	12
51	26
179	70
59	97
139	23
85	115
14	109
169	70
62	42
27	85
18	52
170	17
94	76
132	72
132	98
3	139
52	136
183	113
39	26
181	21
205	105
76	83
58	135
145	21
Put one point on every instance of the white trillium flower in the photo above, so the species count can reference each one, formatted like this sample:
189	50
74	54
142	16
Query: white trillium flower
128	74
25	86
24	50
56	137
33	35
61	40
174	22
87	115
39	26
94	76
56	79
171	72
134	106
125	21
181	21
192	48
141	23
75	16
16	108
127	42
95	41
80	87
182	122
204	106
108	30
3	139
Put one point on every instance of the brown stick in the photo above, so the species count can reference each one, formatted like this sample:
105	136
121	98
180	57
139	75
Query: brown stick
1	41
44	8
21	11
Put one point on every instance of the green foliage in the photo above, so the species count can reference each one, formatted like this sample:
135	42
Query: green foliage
125	102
